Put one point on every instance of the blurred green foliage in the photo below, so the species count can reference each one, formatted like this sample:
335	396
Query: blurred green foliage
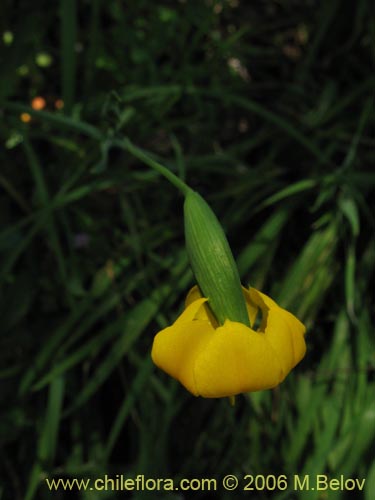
266	109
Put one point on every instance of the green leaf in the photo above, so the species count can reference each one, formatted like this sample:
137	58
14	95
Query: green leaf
212	261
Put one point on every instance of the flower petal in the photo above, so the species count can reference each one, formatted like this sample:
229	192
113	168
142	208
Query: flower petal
193	295
222	361
205	312
282	329
236	359
176	348
252	306
192	312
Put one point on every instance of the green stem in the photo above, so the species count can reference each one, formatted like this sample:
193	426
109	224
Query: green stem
141	155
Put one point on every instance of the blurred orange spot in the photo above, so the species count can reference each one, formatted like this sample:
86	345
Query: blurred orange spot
38	103
292	51
59	104
25	117
110	270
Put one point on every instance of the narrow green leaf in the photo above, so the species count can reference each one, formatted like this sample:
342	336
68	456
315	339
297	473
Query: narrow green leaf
134	323
291	190
68	31
212	261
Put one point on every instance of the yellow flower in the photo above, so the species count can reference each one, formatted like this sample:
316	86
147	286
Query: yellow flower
216	361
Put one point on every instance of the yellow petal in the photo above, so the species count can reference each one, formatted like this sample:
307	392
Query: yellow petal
252	306
283	330
233	358
236	359
191	312
176	348
205	312
295	330
193	295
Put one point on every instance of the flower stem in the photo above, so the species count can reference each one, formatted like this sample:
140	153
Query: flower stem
147	160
